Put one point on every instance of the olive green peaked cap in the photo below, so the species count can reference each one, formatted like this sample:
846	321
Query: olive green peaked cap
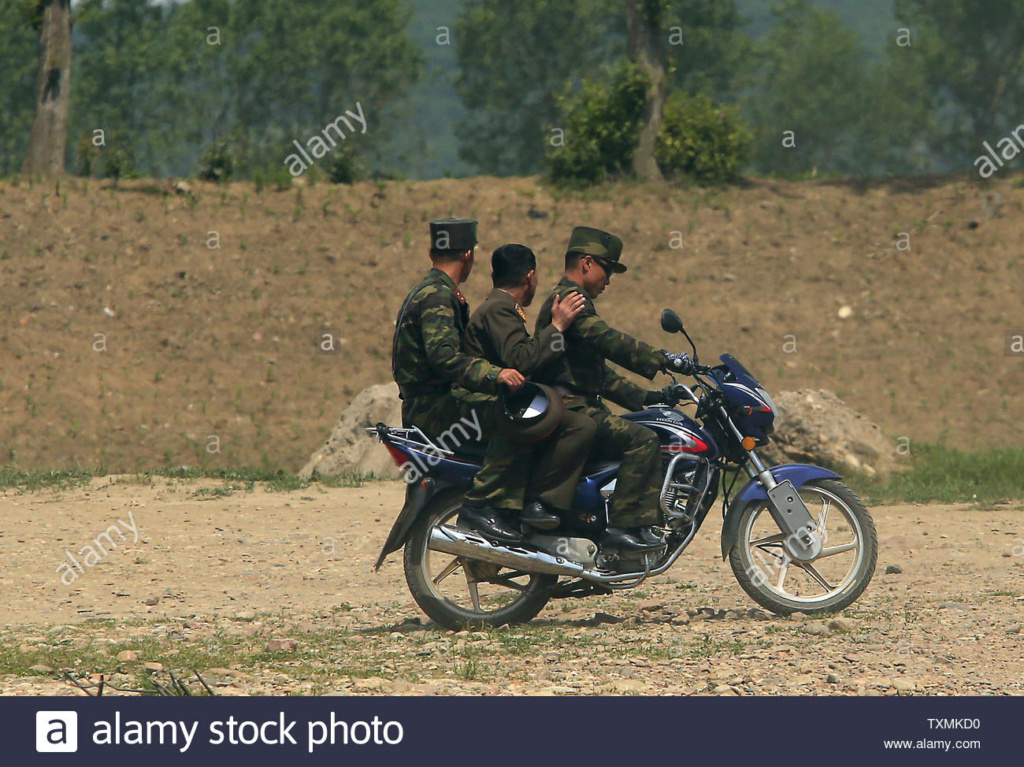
593	242
452	234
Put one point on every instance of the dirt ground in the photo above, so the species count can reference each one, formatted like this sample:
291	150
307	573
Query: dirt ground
218	572
229	327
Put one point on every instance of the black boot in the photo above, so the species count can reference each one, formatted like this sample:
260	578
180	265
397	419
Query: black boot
535	514
488	522
631	539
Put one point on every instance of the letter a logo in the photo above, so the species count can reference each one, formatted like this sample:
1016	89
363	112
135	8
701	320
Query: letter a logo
57	731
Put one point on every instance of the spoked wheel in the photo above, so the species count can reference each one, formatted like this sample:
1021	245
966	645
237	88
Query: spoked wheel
458	592
830	582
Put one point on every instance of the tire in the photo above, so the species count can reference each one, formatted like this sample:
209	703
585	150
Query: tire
450	605
846	576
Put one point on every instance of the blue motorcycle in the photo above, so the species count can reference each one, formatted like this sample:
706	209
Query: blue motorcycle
796	537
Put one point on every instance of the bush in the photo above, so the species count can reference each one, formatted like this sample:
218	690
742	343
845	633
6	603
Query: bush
114	158
703	141
216	163
343	166
697	138
602	126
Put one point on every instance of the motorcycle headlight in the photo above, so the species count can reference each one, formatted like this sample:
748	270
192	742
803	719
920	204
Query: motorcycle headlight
768	401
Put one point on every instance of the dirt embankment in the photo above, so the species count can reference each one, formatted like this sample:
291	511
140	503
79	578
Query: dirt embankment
230	328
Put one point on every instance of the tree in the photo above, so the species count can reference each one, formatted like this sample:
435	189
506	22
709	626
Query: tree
514	58
48	139
643	22
970	56
19	65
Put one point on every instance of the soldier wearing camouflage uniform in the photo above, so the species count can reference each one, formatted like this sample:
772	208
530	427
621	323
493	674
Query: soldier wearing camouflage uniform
440	386
585	379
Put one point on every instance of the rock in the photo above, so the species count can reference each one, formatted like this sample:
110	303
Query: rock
39	668
278	645
370	683
817	427
845	312
841	624
152	601
349	448
904	685
893	570
620	686
651	605
127	655
815	629
953	606
832	679
244	615
153	666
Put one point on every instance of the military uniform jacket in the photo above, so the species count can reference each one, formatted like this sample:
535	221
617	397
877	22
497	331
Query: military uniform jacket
589	342
497	333
426	355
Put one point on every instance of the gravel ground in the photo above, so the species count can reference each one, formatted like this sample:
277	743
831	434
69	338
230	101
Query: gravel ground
273	593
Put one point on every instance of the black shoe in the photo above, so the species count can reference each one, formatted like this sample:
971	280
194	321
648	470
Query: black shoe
488	522
631	539
535	514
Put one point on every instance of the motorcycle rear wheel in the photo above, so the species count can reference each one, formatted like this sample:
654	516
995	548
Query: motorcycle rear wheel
829	583
457	592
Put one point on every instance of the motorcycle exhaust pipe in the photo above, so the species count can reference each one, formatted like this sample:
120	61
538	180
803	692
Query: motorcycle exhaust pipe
464	543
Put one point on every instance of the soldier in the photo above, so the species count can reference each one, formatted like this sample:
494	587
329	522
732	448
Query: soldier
426	361
497	333
583	377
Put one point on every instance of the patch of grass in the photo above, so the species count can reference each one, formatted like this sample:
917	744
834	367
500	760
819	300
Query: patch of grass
947	475
27	480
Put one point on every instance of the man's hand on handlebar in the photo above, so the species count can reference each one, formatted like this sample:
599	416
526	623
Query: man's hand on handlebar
678	363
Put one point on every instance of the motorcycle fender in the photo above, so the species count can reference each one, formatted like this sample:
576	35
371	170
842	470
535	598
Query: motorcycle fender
797	473
417	495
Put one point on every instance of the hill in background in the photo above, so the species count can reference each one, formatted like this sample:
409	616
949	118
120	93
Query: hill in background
145	329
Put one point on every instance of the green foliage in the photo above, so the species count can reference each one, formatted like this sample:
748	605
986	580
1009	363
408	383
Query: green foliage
514	58
701	140
259	73
19	62
216	163
969	58
603	122
814	79
697	139
117	159
343	165
944	474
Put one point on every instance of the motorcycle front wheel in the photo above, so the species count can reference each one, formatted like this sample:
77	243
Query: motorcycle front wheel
459	592
830	582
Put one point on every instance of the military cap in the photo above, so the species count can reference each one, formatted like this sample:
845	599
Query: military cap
452	234
530	414
605	248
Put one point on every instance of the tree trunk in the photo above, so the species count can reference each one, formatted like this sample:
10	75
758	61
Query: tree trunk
644	48
47	142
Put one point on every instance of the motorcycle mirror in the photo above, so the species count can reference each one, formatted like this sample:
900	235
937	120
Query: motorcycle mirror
670	321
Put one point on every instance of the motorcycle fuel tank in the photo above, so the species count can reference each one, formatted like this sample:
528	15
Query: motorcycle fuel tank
677	432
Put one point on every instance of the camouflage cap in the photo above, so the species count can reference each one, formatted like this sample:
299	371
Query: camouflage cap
448	234
604	247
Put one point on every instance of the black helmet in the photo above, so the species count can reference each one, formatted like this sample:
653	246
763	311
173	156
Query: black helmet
530	414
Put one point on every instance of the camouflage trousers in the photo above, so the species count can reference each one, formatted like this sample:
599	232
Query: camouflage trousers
462	416
637	495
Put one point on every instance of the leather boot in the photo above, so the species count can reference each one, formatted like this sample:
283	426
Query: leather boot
488	522
539	516
630	539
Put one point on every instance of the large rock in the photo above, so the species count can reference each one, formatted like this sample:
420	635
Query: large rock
350	449
817	427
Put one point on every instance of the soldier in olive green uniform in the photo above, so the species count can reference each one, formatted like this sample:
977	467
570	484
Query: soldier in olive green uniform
441	387
497	333
584	378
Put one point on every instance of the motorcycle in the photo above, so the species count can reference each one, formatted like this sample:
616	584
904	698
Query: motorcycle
796	537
